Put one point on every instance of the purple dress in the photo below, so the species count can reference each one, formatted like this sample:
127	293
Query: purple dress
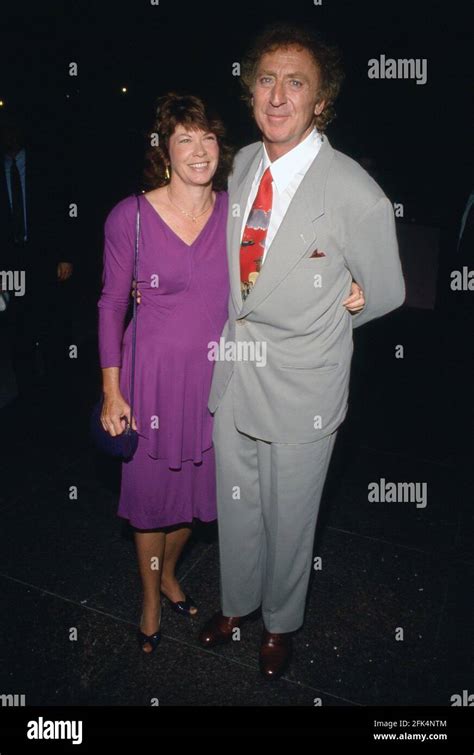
184	293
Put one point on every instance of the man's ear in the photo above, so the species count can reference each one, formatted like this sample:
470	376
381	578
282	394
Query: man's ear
319	107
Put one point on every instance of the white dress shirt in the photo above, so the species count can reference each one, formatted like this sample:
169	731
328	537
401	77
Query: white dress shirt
287	172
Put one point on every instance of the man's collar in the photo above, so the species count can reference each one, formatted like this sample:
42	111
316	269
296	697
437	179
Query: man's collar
285	168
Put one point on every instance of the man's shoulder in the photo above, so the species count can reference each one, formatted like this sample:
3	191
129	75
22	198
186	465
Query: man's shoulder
347	179
246	155
249	149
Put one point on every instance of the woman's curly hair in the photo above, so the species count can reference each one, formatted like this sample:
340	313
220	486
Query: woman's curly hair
186	110
327	57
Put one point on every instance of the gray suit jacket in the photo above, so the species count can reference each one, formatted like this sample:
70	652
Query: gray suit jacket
295	307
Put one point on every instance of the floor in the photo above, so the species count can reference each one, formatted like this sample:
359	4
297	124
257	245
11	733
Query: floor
389	617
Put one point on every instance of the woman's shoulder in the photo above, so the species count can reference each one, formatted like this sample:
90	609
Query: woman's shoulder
123	212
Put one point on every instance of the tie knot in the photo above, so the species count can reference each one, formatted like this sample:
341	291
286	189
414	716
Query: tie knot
267	176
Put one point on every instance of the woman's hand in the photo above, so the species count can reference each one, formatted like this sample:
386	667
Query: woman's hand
136	291
114	411
356	301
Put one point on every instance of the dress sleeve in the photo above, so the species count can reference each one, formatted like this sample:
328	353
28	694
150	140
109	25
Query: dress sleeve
117	283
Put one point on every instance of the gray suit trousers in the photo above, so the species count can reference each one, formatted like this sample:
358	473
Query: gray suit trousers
268	497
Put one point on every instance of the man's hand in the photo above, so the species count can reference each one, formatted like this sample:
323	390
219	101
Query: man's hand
355	302
64	270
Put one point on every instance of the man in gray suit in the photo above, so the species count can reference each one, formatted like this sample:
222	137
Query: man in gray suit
319	222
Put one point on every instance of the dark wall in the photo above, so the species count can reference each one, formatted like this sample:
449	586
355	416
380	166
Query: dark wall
417	136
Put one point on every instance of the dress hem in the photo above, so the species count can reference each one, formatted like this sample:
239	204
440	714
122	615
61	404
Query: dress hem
169	524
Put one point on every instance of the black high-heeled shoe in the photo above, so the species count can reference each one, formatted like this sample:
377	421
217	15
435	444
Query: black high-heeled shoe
183	606
151	639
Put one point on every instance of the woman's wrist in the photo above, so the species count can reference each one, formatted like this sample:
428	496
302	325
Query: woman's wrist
111	392
110	382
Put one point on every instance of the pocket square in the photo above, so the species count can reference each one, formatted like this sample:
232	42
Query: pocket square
317	253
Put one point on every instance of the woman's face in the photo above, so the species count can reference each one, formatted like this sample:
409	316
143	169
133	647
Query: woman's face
194	155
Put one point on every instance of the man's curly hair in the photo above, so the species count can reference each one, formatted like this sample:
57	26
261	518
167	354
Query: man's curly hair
327	57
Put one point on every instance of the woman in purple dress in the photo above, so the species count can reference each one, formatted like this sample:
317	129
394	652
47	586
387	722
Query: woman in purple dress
183	284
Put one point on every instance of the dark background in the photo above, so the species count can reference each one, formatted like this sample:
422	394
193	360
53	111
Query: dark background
418	135
69	562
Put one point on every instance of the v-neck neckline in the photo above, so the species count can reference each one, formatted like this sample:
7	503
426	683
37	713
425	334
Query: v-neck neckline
189	246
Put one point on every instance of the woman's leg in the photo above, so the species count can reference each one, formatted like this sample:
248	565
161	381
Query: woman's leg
174	544
150	551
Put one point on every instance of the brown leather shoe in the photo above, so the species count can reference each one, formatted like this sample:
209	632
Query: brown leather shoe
218	630
275	654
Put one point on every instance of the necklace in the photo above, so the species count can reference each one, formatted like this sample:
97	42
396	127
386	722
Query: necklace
188	214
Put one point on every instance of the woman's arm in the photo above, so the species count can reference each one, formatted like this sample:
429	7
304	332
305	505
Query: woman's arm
114	407
117	279
113	305
111	381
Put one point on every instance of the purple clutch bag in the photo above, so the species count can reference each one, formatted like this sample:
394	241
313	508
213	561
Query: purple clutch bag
121	446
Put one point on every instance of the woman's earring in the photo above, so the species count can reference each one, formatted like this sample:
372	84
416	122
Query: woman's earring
167	173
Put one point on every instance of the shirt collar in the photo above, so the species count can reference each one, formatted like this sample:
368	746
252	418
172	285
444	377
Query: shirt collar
285	168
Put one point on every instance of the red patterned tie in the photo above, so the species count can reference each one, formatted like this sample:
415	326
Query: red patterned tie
253	240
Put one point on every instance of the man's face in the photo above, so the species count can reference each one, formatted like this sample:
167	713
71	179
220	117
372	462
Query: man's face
285	98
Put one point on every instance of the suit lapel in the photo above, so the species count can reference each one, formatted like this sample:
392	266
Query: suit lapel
295	235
